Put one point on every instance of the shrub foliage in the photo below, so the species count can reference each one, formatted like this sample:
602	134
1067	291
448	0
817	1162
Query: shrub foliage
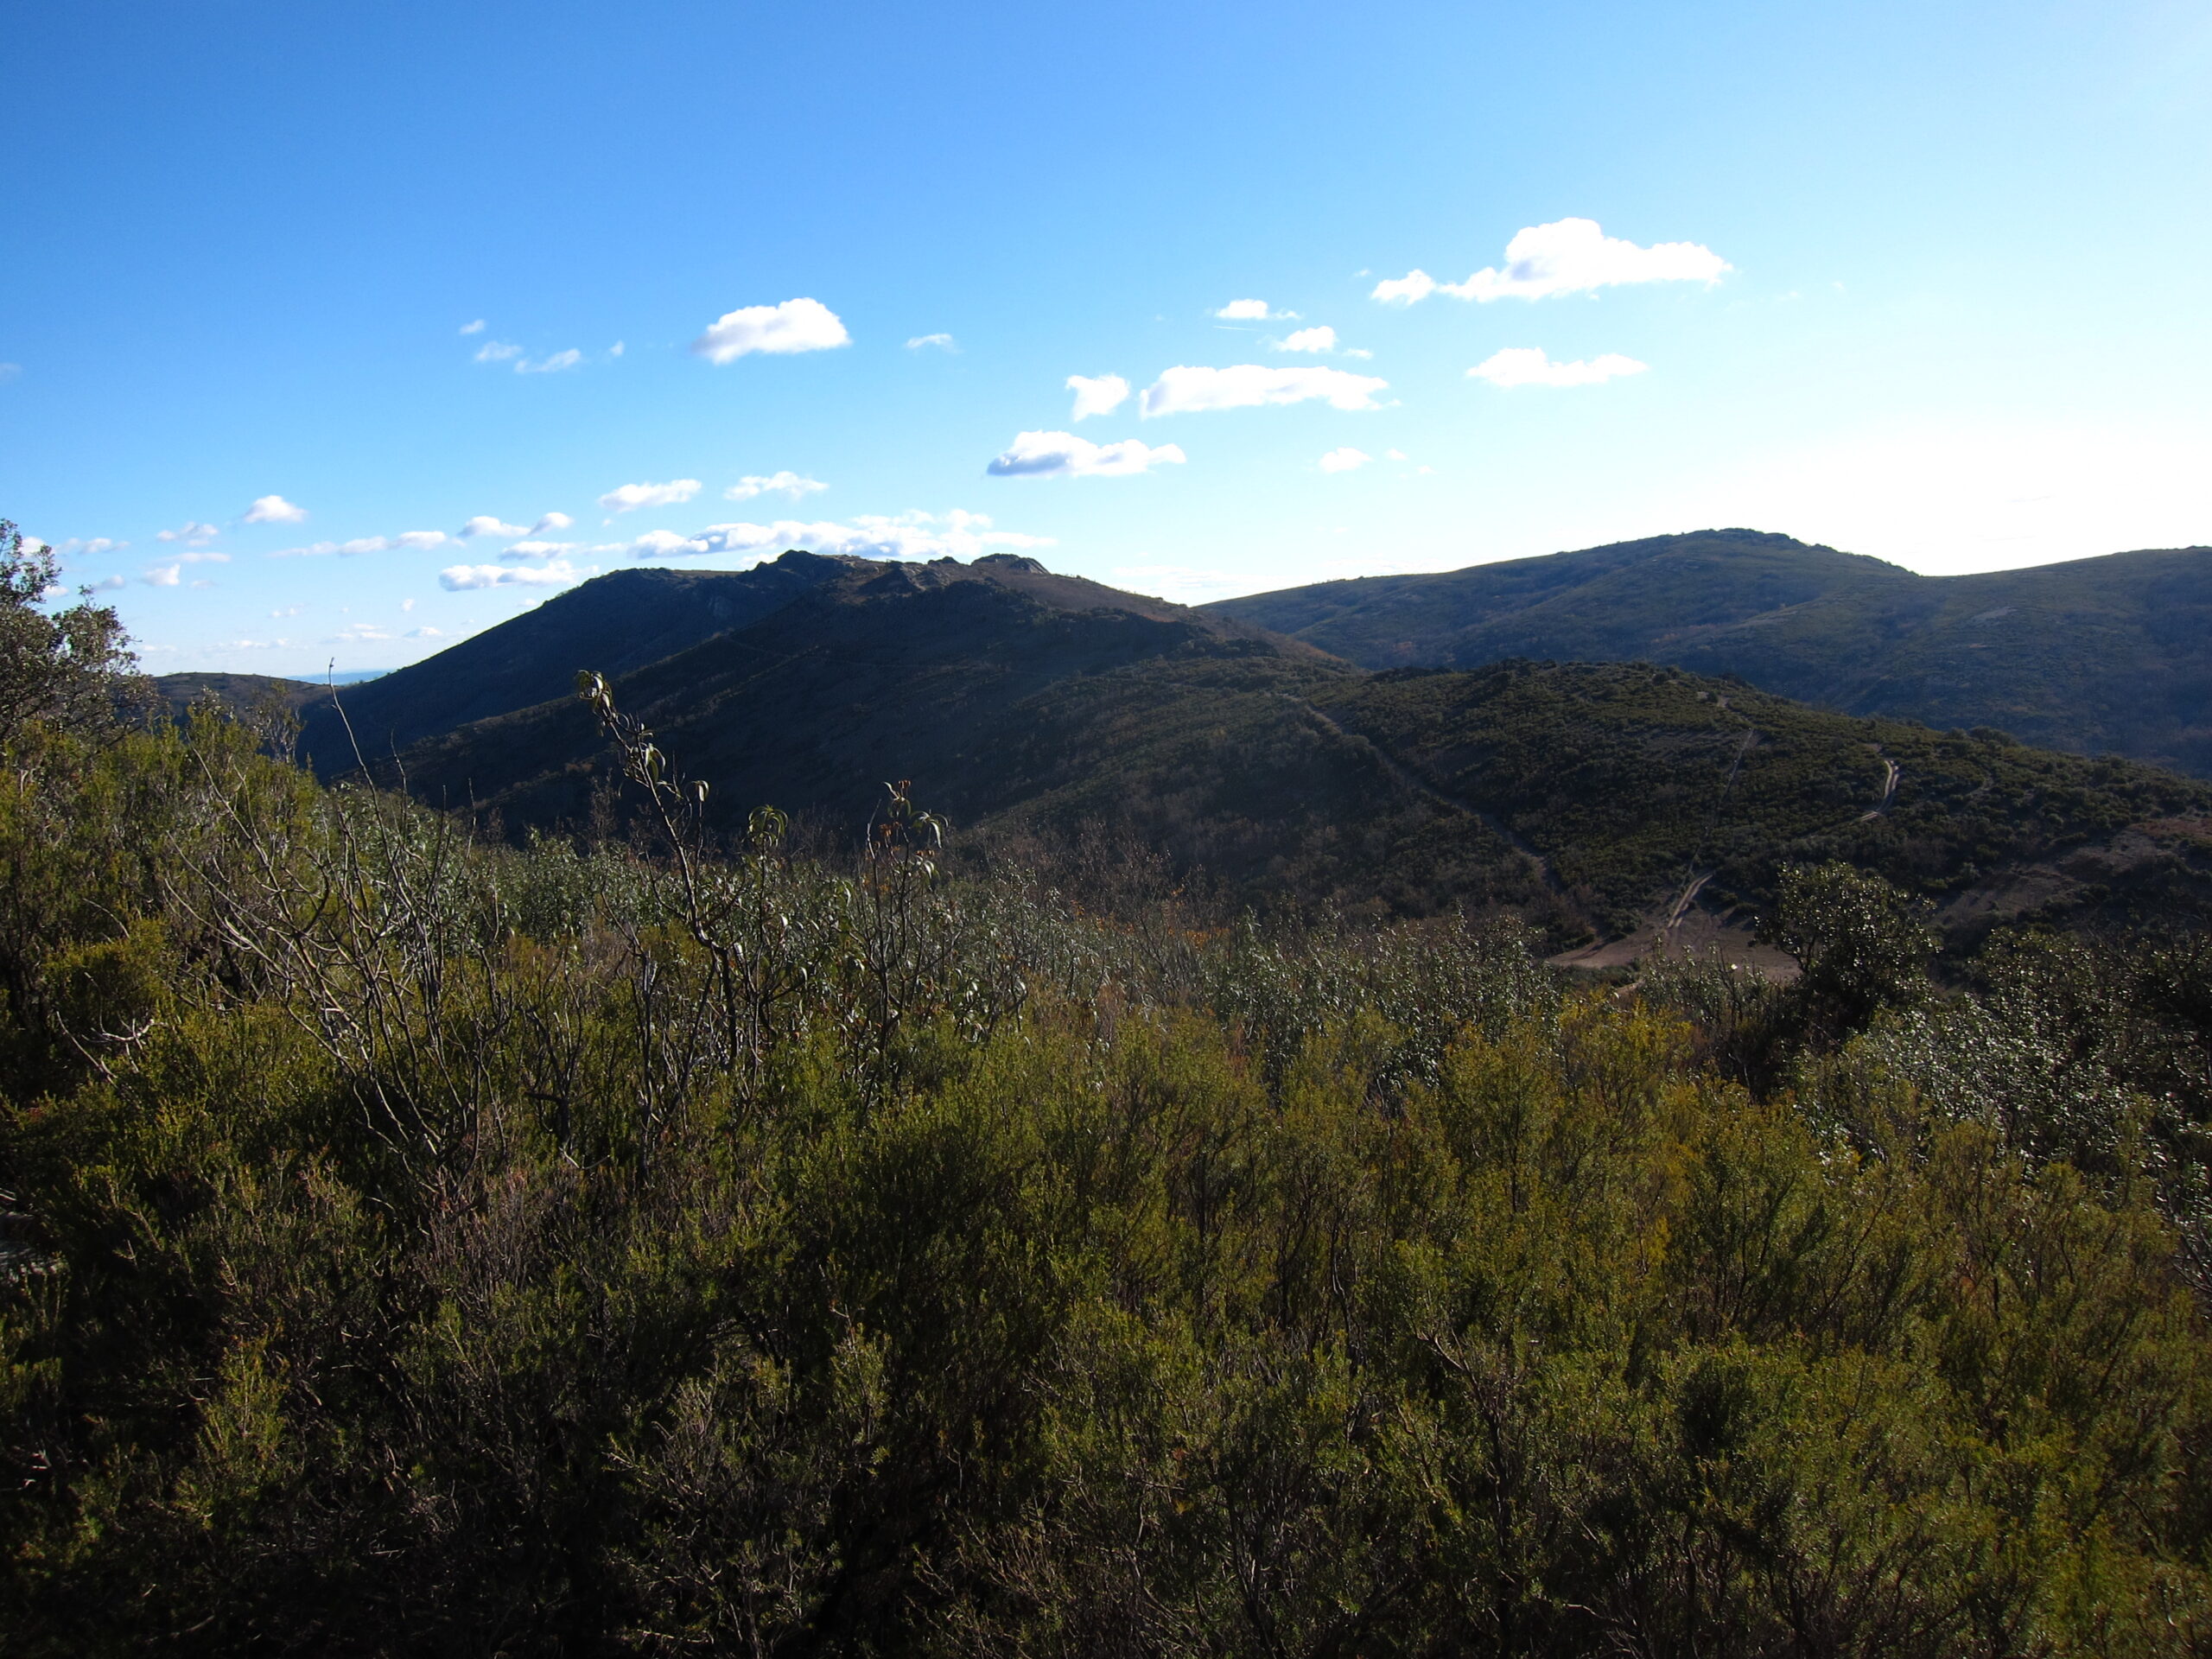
419	1244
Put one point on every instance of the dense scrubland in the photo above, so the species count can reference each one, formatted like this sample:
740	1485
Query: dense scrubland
676	1242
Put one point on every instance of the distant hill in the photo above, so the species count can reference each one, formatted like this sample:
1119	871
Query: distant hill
1601	800
2110	655
626	620
239	693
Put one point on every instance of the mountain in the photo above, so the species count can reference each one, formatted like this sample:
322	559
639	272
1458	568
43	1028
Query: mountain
239	694
625	620
2110	655
1605	801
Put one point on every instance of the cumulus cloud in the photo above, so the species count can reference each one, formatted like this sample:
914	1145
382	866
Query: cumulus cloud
275	509
628	498
486	525
1253	311
616	349
1321	339
1568	256
1063	455
790	484
461	578
910	535
1344	460
1527	365
74	549
425	633
1096	395
496	351
538	549
162	575
358	633
943	342
552	365
107	584
1183	389
475	327
203	558
190	533
799	325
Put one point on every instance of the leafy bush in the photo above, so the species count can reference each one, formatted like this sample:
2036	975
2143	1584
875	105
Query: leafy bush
421	1245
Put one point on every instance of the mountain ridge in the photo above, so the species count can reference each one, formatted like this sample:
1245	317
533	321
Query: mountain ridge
2112	654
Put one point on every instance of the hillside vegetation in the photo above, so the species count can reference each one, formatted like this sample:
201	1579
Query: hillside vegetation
655	1238
1585	798
2110	655
420	1244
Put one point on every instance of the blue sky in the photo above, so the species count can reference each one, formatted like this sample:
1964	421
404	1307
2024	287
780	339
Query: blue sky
1922	280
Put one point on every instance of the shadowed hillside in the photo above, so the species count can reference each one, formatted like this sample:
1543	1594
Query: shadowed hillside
1600	801
628	618
2105	655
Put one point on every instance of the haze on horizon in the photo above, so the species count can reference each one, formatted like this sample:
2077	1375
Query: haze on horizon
339	335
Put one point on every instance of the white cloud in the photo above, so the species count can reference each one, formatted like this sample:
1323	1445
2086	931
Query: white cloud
162	575
1395	454
795	326
1408	289
539	550
1183	389
203	558
785	483
203	582
412	541
1568	256
943	342
629	497
356	634
108	584
1183	582
486	525
290	610
1062	454
956	534
458	578
1527	365
496	351
1323	339
74	549
425	633
191	534
616	349
1344	460
653	544
10	370
1253	311
475	327
1099	395
275	509
552	365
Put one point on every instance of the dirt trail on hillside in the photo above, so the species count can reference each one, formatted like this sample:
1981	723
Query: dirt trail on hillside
1407	778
